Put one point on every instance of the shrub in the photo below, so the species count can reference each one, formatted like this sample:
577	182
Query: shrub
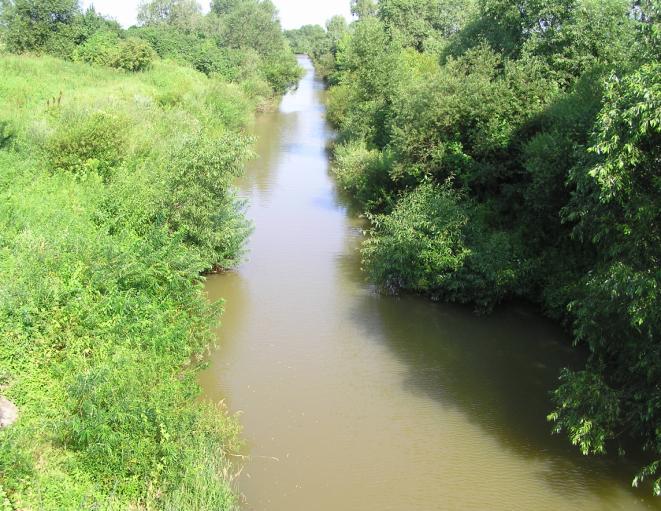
282	71
100	49
106	48
420	245
135	55
201	205
338	103
436	243
93	143
491	273
363	173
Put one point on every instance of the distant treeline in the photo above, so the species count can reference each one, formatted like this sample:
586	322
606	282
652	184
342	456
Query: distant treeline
238	40
118	150
508	149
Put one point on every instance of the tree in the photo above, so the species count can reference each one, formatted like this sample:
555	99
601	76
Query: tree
221	7
184	14
249	24
40	25
336	28
307	38
617	208
417	21
363	8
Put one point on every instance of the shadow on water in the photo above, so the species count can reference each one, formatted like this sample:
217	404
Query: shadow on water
498	371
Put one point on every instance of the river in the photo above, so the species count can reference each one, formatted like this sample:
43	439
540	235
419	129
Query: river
351	400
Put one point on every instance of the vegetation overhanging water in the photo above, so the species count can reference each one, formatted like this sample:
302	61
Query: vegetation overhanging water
500	150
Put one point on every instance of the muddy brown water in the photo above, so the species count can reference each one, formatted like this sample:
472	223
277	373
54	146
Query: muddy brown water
355	401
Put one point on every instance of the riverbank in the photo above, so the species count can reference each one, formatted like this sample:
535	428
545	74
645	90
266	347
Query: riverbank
115	195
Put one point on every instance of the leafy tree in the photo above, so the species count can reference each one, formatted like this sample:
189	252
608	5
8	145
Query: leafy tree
363	8
421	244
184	14
201	206
617	208
40	25
336	28
419	22
374	69
221	7
250	24
307	38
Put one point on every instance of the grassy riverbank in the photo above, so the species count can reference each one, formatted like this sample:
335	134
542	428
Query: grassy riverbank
102	306
115	196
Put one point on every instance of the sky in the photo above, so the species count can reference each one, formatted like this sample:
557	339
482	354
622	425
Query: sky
293	13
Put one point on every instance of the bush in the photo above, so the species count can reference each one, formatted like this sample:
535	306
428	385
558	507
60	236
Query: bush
493	271
201	205
209	59
91	143
363	173
421	244
436	243
101	49
282	71
106	48
135	55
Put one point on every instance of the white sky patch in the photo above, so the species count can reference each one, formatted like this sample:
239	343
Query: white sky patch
293	13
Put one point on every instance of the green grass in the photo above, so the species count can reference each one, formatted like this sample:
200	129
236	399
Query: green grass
102	317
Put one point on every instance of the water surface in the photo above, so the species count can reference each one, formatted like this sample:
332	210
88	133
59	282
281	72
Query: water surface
355	401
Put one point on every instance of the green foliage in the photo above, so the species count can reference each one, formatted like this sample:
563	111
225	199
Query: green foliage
183	14
241	41
92	143
40	25
617	209
201	206
281	71
419	23
134	55
254	25
101	49
419	245
250	24
306	39
363	8
108	49
435	243
378	73
364	173
320	44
